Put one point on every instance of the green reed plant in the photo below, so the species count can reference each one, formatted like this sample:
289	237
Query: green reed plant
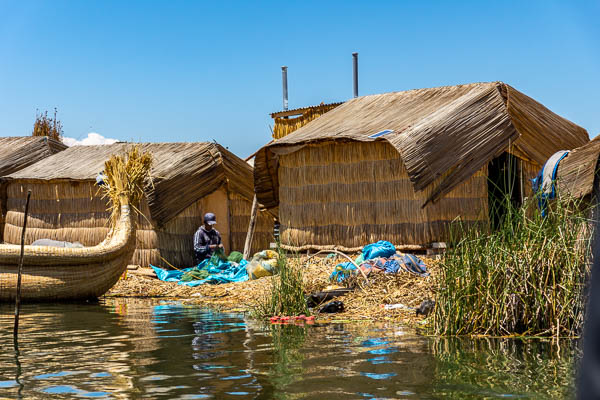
526	277
286	294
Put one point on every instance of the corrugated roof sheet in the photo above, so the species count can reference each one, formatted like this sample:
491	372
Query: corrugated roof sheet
451	130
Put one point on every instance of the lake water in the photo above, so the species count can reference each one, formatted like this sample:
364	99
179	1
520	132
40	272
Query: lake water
144	349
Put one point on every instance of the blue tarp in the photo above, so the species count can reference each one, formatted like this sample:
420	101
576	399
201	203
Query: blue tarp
379	249
223	272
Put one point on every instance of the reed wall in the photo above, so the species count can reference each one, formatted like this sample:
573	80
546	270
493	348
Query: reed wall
240	209
75	211
353	193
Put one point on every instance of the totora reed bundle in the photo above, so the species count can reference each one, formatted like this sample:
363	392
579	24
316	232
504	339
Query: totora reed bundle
125	180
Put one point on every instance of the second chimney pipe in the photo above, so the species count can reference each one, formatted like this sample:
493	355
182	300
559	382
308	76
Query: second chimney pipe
355	72
285	89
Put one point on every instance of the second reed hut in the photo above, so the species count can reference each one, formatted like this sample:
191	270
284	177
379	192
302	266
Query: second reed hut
189	179
402	166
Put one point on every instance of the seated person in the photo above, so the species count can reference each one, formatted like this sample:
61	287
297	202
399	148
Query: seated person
207	239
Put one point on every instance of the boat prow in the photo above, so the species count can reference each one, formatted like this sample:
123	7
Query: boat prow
60	273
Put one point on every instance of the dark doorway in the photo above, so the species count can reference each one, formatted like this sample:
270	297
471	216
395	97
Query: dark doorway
504	187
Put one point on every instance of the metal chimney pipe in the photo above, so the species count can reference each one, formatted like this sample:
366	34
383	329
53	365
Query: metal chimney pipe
355	72
285	87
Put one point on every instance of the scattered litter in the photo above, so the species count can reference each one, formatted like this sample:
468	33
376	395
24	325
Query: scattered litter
426	307
397	306
332	307
293	319
318	298
391	265
264	263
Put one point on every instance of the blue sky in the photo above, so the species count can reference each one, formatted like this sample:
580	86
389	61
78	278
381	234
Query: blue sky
197	71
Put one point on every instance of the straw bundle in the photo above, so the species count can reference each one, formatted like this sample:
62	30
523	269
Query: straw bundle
125	180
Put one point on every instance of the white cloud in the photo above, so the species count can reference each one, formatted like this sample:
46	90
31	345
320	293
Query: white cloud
92	138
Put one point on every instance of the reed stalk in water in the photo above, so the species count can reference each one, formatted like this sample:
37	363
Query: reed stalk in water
286	295
526	277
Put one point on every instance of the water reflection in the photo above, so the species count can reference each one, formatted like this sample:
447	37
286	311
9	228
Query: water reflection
140	349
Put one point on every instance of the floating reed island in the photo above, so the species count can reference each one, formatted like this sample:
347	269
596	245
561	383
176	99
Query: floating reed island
402	166
188	180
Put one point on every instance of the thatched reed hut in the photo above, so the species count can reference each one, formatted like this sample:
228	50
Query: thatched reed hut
189	179
401	166
288	121
20	152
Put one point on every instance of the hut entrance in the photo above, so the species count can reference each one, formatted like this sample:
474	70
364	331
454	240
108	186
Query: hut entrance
504	187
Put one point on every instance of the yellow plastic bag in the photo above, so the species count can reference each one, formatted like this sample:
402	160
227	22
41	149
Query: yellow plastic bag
264	263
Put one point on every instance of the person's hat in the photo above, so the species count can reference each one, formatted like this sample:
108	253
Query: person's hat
210	218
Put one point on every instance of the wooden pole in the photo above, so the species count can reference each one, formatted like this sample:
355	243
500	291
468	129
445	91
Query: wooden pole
18	299
250	234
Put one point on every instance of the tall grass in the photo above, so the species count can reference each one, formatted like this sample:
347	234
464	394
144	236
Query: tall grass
286	294
526	277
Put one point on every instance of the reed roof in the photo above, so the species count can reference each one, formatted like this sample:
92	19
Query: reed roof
181	173
451	131
20	152
302	110
576	172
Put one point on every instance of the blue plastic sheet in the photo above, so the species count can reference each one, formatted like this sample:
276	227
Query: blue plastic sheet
342	271
223	272
380	249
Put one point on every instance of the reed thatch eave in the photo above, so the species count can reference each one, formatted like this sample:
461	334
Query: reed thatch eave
577	171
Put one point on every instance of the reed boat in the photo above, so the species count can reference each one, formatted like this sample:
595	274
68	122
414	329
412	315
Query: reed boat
60	273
